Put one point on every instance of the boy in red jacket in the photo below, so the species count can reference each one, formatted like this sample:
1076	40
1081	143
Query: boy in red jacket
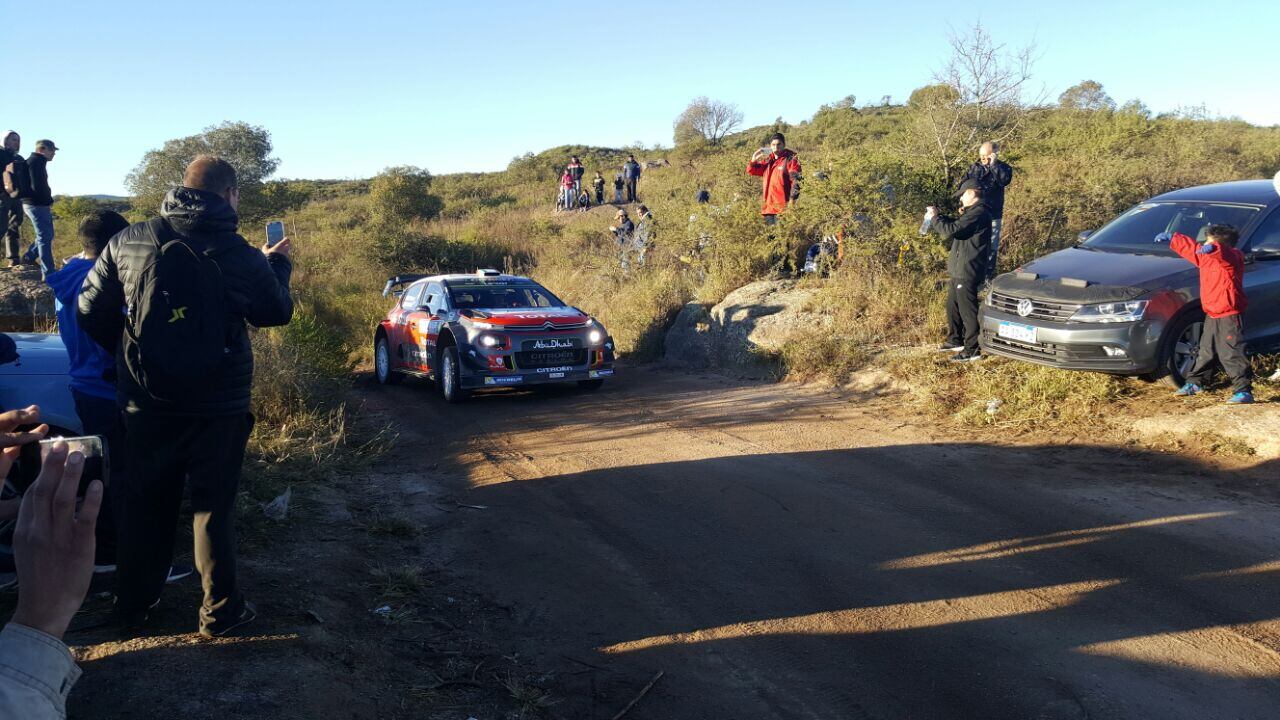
1222	297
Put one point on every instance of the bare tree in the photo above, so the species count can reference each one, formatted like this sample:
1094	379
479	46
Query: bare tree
710	120
978	95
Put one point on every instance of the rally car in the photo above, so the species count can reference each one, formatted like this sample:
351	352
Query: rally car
487	330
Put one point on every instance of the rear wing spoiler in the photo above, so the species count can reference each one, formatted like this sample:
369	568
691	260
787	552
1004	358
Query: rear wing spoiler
395	283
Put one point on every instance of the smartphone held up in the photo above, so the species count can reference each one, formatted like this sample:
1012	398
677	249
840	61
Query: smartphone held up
97	464
275	232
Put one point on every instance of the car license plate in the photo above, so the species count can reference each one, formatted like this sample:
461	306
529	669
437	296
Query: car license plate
1017	331
556	376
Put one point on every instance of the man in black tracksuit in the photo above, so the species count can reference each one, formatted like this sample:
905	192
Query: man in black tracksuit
11	204
200	439
993	175
970	236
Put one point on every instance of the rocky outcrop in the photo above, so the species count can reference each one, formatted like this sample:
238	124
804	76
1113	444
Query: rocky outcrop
743	334
26	303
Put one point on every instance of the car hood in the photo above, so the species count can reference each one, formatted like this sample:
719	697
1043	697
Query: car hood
38	354
531	317
1109	276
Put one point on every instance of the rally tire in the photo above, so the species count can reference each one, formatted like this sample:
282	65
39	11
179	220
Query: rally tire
382	363
450	376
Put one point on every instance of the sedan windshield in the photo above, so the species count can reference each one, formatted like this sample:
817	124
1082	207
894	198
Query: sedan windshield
496	297
1135	231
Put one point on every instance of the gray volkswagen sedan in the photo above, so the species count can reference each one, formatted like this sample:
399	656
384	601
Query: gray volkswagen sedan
1118	302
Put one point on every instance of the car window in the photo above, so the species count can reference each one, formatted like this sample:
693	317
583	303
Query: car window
1135	231
1267	236
496	297
434	300
410	299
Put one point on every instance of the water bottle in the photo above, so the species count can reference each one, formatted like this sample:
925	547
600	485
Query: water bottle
926	225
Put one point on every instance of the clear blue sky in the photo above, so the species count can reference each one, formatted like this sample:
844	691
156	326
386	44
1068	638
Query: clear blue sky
349	88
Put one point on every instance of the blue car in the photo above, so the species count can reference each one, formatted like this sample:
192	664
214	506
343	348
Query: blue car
34	371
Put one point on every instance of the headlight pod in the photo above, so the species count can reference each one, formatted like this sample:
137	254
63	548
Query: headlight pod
1112	312
595	337
490	341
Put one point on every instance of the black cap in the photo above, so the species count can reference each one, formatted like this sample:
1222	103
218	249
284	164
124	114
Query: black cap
969	184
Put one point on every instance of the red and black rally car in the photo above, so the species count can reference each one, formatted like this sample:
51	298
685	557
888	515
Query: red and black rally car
487	330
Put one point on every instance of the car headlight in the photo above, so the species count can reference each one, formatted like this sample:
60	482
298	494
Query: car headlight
594	337
490	341
1112	312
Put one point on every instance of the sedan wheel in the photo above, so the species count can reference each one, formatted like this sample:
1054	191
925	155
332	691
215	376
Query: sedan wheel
1180	354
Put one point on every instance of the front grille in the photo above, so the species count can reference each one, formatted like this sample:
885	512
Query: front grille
1048	351
1040	309
550	358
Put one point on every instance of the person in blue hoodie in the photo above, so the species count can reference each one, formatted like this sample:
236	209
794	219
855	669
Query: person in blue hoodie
93	369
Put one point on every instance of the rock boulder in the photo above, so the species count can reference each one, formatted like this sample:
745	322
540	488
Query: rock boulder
26	303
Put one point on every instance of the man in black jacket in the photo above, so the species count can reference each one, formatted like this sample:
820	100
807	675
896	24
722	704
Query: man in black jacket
970	237
11	202
198	439
39	205
993	175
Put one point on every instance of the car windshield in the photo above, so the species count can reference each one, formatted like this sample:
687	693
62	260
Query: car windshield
1135	231
494	297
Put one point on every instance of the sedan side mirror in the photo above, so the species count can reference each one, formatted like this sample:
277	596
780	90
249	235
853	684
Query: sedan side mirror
1268	253
1084	235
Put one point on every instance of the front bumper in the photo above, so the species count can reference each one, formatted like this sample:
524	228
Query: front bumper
1077	346
503	367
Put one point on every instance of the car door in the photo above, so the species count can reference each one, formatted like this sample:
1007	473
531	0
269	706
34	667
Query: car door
436	302
423	327
401	340
1262	285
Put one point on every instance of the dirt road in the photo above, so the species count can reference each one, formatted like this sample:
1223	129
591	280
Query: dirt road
785	553
776	552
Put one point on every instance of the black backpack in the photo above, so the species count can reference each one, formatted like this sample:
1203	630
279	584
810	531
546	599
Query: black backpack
175	334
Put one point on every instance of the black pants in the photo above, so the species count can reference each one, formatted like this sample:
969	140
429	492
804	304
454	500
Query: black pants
632	196
962	314
11	216
1223	340
100	416
166	453
600	195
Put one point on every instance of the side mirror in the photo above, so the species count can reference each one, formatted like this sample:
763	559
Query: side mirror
1268	253
1084	235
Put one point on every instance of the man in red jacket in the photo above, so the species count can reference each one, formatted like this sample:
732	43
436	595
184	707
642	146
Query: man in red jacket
1222	297
781	172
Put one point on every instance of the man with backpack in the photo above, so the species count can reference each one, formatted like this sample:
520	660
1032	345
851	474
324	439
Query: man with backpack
38	204
188	284
17	185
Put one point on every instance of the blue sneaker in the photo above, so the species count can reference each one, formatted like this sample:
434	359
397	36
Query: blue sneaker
1240	398
1188	390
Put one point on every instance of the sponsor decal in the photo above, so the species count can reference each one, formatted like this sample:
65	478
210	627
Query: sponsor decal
556	376
505	380
550	345
488	381
600	373
555	369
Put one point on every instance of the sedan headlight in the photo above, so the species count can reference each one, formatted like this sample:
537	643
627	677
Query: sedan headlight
1112	312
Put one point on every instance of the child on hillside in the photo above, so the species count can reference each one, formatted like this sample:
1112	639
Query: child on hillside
617	189
1222	297
584	201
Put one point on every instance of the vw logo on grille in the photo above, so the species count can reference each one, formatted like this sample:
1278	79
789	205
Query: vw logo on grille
1025	307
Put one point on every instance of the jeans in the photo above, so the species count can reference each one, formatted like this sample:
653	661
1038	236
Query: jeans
42	219
166	454
632	195
993	254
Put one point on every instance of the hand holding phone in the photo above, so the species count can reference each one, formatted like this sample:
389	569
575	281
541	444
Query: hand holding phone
275	232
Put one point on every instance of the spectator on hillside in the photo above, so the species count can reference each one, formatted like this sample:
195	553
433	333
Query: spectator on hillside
185	370
597	183
567	195
631	173
17	184
53	547
1222	297
993	175
704	196
970	237
780	169
618	184
584	201
577	171
622	228
39	205
646	232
